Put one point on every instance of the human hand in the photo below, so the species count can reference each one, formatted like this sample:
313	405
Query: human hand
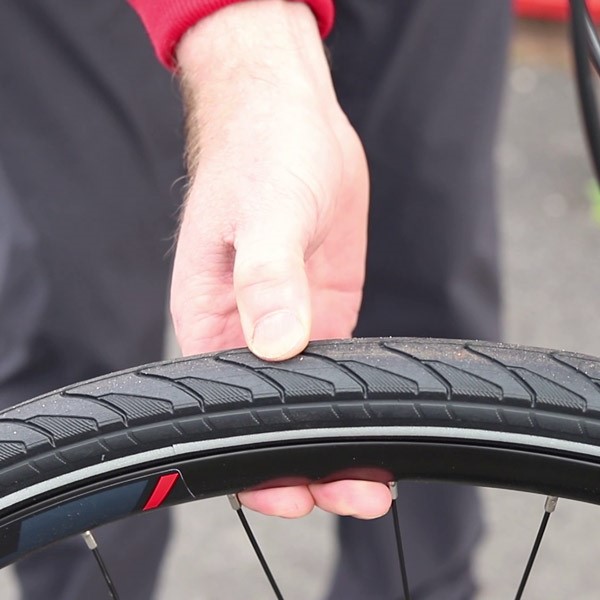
272	245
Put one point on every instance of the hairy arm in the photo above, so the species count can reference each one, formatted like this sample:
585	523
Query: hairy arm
272	245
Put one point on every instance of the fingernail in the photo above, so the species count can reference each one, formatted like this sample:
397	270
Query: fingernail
278	335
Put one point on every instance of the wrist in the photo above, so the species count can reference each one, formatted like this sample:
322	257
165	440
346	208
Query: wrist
273	41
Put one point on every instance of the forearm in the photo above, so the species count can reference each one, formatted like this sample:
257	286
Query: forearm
266	34
228	64
167	20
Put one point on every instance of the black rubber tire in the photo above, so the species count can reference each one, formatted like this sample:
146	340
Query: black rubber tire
344	384
487	394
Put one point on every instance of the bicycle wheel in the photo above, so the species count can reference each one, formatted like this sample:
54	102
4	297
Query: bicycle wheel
380	409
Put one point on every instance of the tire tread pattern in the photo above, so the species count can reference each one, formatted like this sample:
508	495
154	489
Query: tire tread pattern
389	381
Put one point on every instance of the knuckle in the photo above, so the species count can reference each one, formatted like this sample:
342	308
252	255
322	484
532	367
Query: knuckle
262	274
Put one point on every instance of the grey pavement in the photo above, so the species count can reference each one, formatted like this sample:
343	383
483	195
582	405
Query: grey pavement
551	273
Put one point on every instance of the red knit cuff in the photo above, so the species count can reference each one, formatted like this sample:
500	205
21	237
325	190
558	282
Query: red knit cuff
167	20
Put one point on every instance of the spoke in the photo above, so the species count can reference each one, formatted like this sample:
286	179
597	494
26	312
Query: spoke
394	489
93	546
549	507
236	505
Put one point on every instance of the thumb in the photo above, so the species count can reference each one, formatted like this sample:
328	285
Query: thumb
272	292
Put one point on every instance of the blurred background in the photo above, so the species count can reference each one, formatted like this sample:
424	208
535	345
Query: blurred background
550	217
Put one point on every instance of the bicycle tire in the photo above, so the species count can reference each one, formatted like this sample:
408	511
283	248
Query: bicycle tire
381	409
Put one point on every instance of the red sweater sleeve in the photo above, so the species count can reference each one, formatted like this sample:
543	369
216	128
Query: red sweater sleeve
167	20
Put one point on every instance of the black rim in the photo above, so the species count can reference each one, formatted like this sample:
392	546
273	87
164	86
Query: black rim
586	45
35	524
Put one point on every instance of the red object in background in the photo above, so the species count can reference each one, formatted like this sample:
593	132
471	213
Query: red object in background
552	9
